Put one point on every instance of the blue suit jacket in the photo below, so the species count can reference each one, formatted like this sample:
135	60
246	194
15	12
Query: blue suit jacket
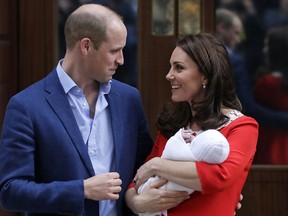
44	159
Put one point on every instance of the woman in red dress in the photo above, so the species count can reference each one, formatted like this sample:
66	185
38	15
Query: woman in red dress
203	97
272	91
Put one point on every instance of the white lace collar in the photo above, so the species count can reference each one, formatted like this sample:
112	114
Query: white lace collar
232	115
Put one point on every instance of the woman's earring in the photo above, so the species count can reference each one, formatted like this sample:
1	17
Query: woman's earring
204	86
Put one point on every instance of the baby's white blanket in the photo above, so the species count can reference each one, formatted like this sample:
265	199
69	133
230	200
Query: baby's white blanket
209	146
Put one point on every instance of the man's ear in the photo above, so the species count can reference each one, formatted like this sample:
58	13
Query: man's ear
85	45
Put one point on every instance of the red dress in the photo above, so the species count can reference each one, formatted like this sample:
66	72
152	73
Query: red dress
221	184
273	142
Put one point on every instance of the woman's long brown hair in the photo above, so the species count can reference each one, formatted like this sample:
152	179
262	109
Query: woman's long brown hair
213	62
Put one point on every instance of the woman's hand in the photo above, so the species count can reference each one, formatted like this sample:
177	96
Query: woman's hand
153	199
180	172
145	172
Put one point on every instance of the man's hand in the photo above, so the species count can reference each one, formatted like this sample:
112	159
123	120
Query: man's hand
106	186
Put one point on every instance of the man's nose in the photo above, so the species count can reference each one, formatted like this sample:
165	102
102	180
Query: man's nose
120	59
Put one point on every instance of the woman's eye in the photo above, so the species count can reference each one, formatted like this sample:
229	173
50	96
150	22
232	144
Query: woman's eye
178	67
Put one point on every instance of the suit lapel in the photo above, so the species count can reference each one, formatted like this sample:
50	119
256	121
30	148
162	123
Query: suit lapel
60	104
116	108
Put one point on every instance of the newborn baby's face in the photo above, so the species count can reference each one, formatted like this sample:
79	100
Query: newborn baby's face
187	135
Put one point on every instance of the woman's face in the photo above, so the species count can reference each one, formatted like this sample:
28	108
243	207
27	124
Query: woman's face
185	78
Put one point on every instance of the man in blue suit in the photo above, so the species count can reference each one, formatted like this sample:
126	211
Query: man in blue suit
72	142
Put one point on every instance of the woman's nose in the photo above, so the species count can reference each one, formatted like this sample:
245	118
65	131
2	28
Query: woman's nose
169	75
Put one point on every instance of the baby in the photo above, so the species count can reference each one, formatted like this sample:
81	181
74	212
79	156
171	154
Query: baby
208	146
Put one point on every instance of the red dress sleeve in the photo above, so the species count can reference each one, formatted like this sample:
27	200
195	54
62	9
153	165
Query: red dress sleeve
242	135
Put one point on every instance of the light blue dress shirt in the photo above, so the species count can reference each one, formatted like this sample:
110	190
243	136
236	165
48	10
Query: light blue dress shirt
96	132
